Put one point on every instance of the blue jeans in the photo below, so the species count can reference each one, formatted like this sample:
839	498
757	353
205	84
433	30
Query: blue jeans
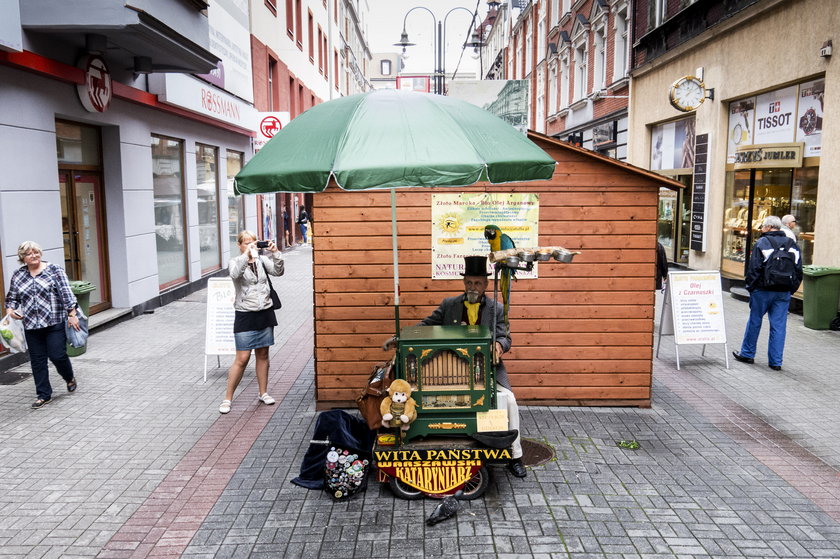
775	305
303	231
43	343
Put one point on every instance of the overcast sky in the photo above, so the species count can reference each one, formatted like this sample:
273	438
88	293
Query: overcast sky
385	23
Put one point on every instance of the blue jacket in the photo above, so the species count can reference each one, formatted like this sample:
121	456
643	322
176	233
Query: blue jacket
762	250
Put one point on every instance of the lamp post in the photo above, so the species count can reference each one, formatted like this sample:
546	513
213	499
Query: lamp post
439	43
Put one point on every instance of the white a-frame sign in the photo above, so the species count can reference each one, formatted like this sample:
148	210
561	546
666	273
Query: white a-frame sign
693	312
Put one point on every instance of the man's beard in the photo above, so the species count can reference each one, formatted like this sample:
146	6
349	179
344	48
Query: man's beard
473	296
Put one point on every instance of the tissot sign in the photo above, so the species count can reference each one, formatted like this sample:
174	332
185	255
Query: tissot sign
202	98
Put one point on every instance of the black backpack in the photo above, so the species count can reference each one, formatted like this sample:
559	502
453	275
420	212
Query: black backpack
780	267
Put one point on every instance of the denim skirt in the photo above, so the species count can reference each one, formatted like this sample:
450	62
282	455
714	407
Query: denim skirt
254	339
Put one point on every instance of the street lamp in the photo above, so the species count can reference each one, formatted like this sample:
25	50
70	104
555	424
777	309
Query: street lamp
439	43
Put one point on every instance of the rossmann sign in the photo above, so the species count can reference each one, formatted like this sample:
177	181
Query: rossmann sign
200	97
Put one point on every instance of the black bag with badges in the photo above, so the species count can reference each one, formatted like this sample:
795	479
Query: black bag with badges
345	473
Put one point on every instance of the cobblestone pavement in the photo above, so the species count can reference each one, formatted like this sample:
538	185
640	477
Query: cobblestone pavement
738	462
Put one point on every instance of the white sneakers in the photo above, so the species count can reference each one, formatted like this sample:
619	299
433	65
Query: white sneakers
265	399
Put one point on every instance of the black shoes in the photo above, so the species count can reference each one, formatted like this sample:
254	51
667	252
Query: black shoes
517	468
71	385
750	361
742	359
40	403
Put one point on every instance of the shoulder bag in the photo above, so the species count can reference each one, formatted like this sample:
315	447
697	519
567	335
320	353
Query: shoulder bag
275	298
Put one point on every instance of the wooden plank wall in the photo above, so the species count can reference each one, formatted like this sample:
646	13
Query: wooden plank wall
582	333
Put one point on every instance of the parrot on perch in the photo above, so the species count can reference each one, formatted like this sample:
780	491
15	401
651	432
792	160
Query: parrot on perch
500	241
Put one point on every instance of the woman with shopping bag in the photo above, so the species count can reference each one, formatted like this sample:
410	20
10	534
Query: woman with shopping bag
40	295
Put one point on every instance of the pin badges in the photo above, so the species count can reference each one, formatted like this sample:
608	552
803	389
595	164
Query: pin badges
344	472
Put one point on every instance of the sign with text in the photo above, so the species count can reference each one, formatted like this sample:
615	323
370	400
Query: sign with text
697	307
774	116
218	335
769	155
810	116
458	222
202	98
699	193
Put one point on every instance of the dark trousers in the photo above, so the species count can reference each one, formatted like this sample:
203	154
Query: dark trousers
49	342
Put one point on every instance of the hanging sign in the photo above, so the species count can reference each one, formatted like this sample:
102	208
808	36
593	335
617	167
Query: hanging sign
266	126
699	193
96	91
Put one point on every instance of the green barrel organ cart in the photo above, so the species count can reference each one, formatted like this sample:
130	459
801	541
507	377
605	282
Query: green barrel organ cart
458	429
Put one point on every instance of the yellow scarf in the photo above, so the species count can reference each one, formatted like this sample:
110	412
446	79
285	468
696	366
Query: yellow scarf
472	311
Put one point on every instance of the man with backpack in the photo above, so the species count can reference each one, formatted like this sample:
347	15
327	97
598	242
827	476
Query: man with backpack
773	275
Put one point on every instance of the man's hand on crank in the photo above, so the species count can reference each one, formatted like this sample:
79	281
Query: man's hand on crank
497	355
390	344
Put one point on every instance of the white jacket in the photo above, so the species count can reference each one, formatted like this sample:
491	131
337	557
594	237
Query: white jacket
252	291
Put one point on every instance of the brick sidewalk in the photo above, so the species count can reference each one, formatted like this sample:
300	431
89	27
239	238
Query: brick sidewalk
733	463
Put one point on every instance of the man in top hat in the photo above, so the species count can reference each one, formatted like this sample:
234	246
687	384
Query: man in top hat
472	307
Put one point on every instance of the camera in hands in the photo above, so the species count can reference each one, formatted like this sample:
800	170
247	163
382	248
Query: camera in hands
263	244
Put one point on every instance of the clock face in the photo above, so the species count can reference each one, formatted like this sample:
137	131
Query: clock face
687	94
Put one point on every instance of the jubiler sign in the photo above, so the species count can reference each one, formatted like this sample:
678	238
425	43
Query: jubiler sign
769	155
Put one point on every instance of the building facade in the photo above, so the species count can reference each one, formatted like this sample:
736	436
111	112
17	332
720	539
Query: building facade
754	144
576	56
120	134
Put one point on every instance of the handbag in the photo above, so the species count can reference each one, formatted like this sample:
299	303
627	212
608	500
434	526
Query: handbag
12	335
275	298
77	338
370	399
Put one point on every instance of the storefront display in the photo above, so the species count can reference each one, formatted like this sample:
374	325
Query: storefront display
773	147
672	154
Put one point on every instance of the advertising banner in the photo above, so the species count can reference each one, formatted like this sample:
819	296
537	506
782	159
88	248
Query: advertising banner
697	307
810	117
740	131
507	99
672	145
458	222
774	116
230	40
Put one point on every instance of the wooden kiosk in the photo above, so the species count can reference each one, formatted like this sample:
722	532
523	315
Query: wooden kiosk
582	333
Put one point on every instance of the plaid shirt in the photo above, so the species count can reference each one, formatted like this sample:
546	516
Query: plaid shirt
43	300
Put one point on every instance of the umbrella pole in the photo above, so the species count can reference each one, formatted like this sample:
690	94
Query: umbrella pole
396	262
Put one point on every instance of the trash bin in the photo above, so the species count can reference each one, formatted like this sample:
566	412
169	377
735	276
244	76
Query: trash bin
821	290
82	290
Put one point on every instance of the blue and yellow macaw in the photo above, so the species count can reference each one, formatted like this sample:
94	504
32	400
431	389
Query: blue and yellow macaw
501	241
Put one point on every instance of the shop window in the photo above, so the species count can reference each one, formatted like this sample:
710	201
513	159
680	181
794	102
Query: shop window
236	204
168	186
385	67
804	208
207	178
753	194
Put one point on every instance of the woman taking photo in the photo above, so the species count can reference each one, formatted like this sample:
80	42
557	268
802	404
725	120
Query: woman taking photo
253	326
39	293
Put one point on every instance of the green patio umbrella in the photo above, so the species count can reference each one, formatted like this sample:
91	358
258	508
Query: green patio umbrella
390	139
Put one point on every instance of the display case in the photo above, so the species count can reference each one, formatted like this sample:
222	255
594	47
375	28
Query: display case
451	374
736	232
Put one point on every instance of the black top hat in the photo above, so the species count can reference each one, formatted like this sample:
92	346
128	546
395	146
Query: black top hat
475	266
